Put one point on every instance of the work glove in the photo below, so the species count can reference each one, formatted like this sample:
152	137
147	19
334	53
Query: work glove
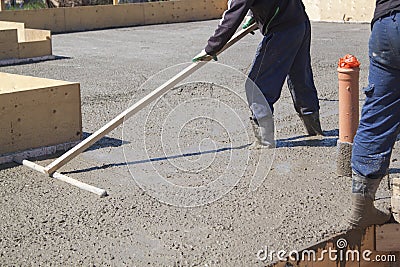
248	20
202	56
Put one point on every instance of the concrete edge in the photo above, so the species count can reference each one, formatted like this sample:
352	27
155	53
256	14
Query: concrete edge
37	152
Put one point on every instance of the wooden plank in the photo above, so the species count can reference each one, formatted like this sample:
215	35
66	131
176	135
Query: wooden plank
20	27
34	49
8	36
61	161
97	17
44	18
177	11
36	35
32	112
11	83
8	51
98	191
388	237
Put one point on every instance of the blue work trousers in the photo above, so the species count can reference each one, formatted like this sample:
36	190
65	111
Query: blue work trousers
380	118
285	54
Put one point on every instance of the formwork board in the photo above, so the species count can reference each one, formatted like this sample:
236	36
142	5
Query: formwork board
388	238
99	17
8	51
17	42
9	25
45	18
175	11
37	112
8	36
35	35
34	49
338	10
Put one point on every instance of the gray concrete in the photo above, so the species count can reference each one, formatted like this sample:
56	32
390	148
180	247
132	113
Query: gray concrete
49	223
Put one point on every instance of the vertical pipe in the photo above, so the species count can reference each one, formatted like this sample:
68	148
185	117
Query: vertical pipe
348	116
348	103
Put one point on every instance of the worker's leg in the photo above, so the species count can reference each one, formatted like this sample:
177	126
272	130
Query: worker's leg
272	62
300	79
380	118
380	122
301	86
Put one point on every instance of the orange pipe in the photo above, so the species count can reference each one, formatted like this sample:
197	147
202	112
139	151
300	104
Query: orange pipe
348	103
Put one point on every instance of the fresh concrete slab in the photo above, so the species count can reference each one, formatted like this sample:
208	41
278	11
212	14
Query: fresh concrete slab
300	201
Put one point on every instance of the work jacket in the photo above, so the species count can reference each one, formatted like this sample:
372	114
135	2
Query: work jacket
270	15
384	8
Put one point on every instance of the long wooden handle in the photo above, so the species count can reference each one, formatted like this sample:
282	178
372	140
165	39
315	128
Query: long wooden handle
118	120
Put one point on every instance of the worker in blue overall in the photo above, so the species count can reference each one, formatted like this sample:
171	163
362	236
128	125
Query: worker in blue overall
380	118
284	52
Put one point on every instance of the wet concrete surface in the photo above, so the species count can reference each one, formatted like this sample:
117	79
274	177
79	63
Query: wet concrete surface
284	198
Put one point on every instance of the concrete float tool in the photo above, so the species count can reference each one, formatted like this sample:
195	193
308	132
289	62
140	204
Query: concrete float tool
118	120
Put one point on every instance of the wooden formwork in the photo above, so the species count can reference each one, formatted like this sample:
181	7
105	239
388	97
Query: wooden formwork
37	112
70	19
17	42
340	11
39	117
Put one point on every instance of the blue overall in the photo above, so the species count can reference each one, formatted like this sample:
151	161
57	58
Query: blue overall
380	119
284	54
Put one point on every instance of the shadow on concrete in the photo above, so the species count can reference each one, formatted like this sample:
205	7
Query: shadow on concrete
104	142
328	100
26	61
106	166
329	140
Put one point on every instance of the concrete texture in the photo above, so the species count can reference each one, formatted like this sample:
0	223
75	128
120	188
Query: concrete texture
344	158
46	222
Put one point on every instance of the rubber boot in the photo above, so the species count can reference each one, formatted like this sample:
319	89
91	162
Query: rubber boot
264	131
312	123
363	211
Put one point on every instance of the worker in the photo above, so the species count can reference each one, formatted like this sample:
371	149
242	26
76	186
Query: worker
380	118
283	52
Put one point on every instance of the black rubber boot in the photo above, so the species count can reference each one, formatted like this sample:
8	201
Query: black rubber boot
363	211
312	123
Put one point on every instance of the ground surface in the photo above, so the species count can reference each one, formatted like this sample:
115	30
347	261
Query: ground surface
301	200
